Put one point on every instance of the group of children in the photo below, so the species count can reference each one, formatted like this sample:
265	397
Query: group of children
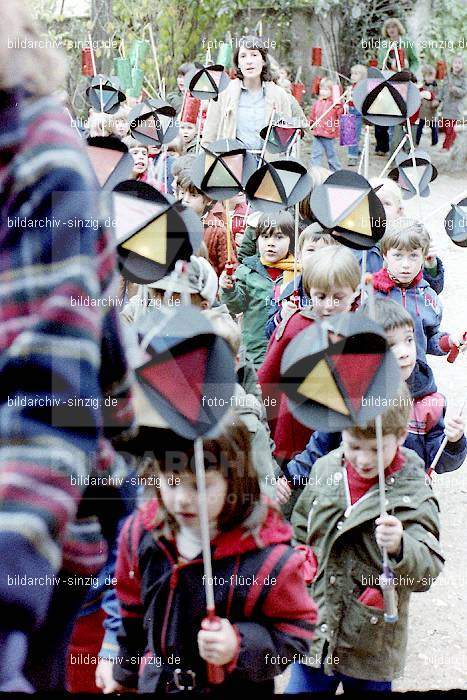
299	586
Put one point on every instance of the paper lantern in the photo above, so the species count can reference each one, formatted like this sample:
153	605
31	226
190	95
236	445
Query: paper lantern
122	69
186	372
401	53
104	94
86	62
347	205
190	110
455	223
137	77
152	231
206	82
278	185
315	85
386	98
138	51
153	122
298	91
316	56
225	54
339	372
110	160
223	170
347	129
373	62
409	177
440	70
281	136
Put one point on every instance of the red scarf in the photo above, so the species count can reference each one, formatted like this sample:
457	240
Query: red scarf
383	282
358	486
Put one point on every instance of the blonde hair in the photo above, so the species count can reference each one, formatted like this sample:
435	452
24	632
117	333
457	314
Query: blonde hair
331	268
390	188
397	22
363	70
99	124
314	232
226	327
40	69
405	234
130	142
394	420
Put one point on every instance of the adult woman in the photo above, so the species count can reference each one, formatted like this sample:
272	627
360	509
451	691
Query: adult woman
393	31
245	107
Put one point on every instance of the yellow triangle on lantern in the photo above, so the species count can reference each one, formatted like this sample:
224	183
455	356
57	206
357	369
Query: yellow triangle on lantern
384	103
359	219
319	386
151	241
268	190
208	161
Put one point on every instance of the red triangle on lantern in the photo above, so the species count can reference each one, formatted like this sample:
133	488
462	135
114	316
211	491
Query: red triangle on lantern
180	380
356	372
284	133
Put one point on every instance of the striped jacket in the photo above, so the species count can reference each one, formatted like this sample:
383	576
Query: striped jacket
59	358
259	586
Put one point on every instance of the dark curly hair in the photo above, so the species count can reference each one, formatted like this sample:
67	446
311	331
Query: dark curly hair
253	42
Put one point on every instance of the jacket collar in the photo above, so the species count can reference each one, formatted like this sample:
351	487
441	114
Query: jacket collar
382	282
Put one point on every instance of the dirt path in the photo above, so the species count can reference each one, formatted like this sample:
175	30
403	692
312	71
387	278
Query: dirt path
437	648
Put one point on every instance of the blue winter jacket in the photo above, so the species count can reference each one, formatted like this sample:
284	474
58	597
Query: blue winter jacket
374	262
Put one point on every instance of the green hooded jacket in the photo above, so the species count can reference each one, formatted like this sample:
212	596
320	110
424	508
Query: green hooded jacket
251	295
360	643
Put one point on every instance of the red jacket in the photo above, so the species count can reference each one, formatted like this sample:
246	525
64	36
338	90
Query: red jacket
329	125
289	435
259	583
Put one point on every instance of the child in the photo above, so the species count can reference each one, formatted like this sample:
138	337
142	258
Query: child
189	117
248	407
426	428
357	74
390	195
327	130
451	98
251	289
404	246
98	124
331	280
311	238
160	576
353	644
119	122
429	106
212	214
188	134
198	281
175	99
139	151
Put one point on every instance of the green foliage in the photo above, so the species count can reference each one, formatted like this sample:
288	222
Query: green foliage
446	32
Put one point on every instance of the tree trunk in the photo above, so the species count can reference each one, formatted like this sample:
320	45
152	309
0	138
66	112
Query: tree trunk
101	17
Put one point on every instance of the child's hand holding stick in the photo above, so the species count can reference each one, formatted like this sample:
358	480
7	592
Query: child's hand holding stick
219	646
226	281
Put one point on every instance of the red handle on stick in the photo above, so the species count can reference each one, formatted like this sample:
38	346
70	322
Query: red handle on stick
454	351
216	674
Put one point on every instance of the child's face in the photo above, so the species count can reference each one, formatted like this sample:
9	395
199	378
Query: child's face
121	128
181	82
392	209
363	454
402	343
187	132
310	246
355	75
250	62
457	64
404	265
324	91
140	158
179	495
330	303
273	248
195	201
429	76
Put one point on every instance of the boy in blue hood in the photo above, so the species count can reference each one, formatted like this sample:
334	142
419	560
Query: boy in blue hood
427	427
404	247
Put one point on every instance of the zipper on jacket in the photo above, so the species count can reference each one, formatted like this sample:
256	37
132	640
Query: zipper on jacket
350	505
